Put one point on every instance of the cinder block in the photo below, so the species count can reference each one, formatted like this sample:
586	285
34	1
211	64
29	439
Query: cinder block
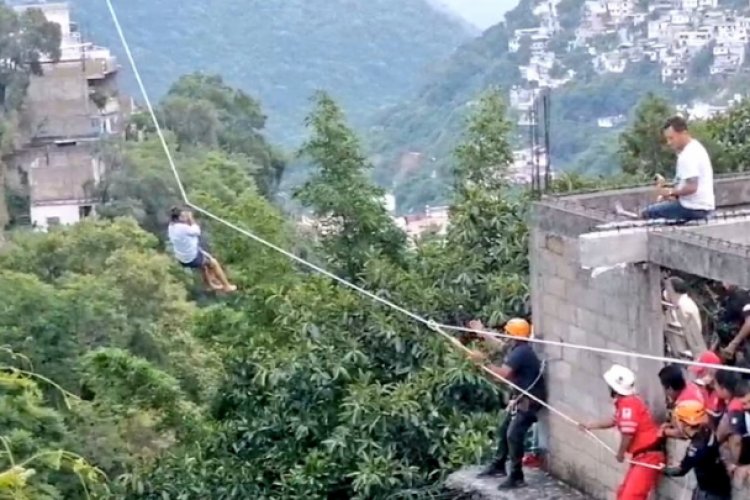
556	286
550	304
585	319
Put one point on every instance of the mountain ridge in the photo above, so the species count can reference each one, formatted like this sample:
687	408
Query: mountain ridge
368	55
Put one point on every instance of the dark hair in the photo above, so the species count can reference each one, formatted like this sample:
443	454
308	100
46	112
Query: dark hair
732	382
676	123
678	285
175	213
671	377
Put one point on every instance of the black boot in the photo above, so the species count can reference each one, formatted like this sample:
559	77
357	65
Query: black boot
512	483
495	469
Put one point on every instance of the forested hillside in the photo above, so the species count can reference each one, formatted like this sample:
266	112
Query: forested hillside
584	88
367	54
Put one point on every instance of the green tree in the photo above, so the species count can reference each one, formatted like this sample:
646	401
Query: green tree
350	208
488	238
643	149
203	110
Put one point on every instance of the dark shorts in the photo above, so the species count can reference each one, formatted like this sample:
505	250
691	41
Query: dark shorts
673	210
202	259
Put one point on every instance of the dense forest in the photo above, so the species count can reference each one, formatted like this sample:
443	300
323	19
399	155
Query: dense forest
368	55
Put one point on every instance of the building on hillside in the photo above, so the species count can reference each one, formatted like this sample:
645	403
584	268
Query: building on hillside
728	57
597	283
67	111
63	194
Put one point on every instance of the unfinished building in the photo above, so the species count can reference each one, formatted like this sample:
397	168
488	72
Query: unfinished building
599	283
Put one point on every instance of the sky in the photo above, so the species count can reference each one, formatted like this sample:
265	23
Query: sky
482	13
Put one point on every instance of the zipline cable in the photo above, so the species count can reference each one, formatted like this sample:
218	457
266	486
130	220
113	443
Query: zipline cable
439	328
357	288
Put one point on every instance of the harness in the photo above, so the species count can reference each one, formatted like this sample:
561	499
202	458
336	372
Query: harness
513	404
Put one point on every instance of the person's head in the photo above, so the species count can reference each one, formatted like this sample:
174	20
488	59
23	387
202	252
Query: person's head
705	376
690	417
672	380
728	287
678	285
621	381
729	385
676	133
177	214
518	328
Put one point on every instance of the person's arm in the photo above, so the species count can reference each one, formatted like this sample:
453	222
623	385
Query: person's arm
503	371
605	423
744	332
625	441
690	186
478	326
689	461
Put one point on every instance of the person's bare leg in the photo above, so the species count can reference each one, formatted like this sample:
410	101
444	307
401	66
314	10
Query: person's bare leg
625	213
218	272
209	279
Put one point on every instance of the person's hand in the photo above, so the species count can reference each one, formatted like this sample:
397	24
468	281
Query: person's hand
671	471
729	351
660	180
665	193
475	324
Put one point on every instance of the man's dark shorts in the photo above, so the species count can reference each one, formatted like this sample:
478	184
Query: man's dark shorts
673	210
202	259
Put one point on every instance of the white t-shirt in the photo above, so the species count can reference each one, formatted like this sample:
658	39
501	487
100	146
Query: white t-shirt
689	308
185	240
693	161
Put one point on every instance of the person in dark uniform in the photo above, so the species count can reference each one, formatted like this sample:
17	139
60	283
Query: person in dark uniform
523	367
714	482
735	317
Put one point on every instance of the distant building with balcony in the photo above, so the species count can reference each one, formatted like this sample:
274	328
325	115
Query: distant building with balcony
67	111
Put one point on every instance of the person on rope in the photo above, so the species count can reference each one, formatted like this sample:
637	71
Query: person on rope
703	454
640	435
184	236
736	314
677	390
693	196
704	378
736	431
523	367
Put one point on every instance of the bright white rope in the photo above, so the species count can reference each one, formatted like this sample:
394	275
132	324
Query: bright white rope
439	328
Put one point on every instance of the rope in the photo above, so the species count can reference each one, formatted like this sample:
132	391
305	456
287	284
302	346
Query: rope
600	350
439	328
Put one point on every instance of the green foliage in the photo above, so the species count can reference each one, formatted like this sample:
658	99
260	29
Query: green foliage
282	52
203	111
725	136
355	224
643	149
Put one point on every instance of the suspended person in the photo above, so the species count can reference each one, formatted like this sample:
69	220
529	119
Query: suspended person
184	235
523	367
692	197
703	455
640	435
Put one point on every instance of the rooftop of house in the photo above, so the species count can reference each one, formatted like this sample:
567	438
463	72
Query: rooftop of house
717	249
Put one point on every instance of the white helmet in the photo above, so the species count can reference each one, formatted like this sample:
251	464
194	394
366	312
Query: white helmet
621	380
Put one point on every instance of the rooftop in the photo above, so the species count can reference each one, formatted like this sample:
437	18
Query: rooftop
717	249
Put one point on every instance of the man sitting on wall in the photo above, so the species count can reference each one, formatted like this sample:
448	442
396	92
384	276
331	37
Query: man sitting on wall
692	198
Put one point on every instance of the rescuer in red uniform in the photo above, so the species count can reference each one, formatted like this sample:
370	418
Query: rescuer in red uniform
640	436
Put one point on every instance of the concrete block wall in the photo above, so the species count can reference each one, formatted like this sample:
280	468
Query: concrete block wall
619	309
569	305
